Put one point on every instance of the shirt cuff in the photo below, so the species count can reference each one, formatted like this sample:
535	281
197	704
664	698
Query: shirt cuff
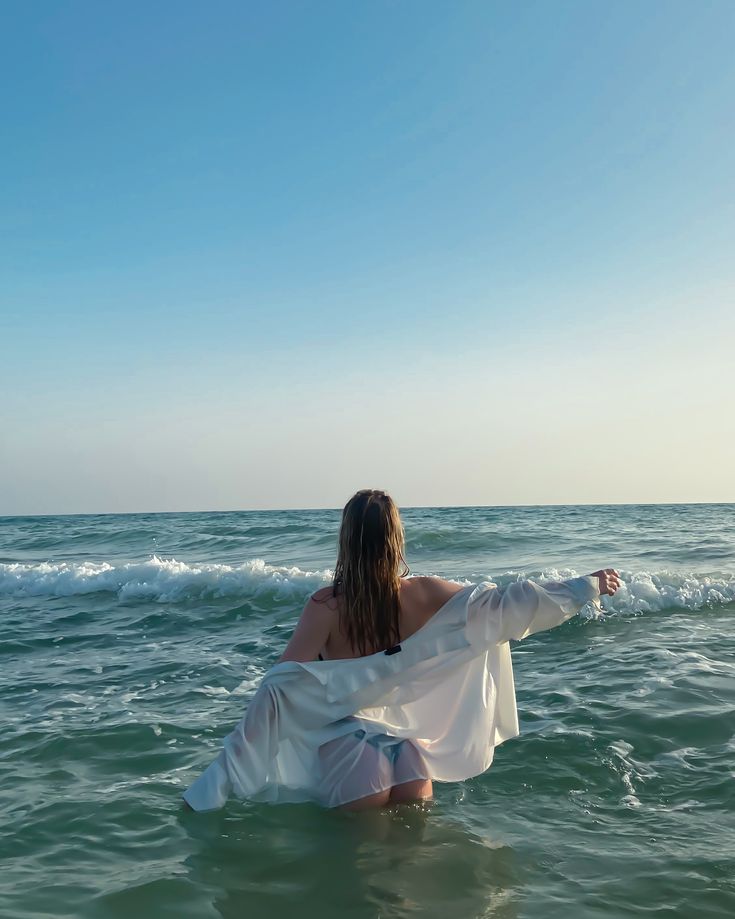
211	789
585	589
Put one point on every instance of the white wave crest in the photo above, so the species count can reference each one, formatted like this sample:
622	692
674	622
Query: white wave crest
643	591
168	580
651	591
162	580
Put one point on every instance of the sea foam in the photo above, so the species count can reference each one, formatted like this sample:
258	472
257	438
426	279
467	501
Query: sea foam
157	579
651	591
169	580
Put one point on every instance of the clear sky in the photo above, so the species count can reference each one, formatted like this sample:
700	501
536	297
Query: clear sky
260	255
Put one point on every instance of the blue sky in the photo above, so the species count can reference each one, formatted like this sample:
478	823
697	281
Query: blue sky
261	255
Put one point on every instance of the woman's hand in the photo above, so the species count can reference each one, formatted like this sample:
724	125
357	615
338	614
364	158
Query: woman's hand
609	580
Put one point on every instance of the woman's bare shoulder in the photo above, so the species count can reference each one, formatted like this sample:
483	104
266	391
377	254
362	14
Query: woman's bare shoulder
434	589
325	596
428	589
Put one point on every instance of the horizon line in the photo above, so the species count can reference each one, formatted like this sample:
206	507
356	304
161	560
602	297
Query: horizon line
405	507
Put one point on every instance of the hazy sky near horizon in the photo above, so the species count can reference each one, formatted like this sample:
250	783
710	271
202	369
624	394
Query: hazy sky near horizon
262	255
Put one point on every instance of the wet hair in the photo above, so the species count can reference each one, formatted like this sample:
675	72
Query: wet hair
367	576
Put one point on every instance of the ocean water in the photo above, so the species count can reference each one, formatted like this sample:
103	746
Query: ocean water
131	644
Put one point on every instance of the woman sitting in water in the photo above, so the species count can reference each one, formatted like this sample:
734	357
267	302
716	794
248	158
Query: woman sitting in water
388	682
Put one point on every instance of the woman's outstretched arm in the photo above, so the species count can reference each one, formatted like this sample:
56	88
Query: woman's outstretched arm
499	614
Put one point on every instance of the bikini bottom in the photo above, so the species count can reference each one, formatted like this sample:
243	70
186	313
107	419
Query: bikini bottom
362	763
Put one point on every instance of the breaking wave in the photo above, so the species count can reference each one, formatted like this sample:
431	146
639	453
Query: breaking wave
168	580
162	580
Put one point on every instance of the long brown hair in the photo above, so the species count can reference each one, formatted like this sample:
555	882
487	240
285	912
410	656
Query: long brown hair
367	576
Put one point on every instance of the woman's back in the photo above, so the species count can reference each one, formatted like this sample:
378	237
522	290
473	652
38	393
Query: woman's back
320	630
420	598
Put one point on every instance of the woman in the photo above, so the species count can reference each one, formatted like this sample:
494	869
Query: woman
388	682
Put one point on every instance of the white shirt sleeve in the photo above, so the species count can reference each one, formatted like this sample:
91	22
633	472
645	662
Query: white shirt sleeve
498	614
243	763
212	788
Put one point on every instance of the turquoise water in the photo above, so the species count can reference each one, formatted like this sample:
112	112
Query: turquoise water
131	644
